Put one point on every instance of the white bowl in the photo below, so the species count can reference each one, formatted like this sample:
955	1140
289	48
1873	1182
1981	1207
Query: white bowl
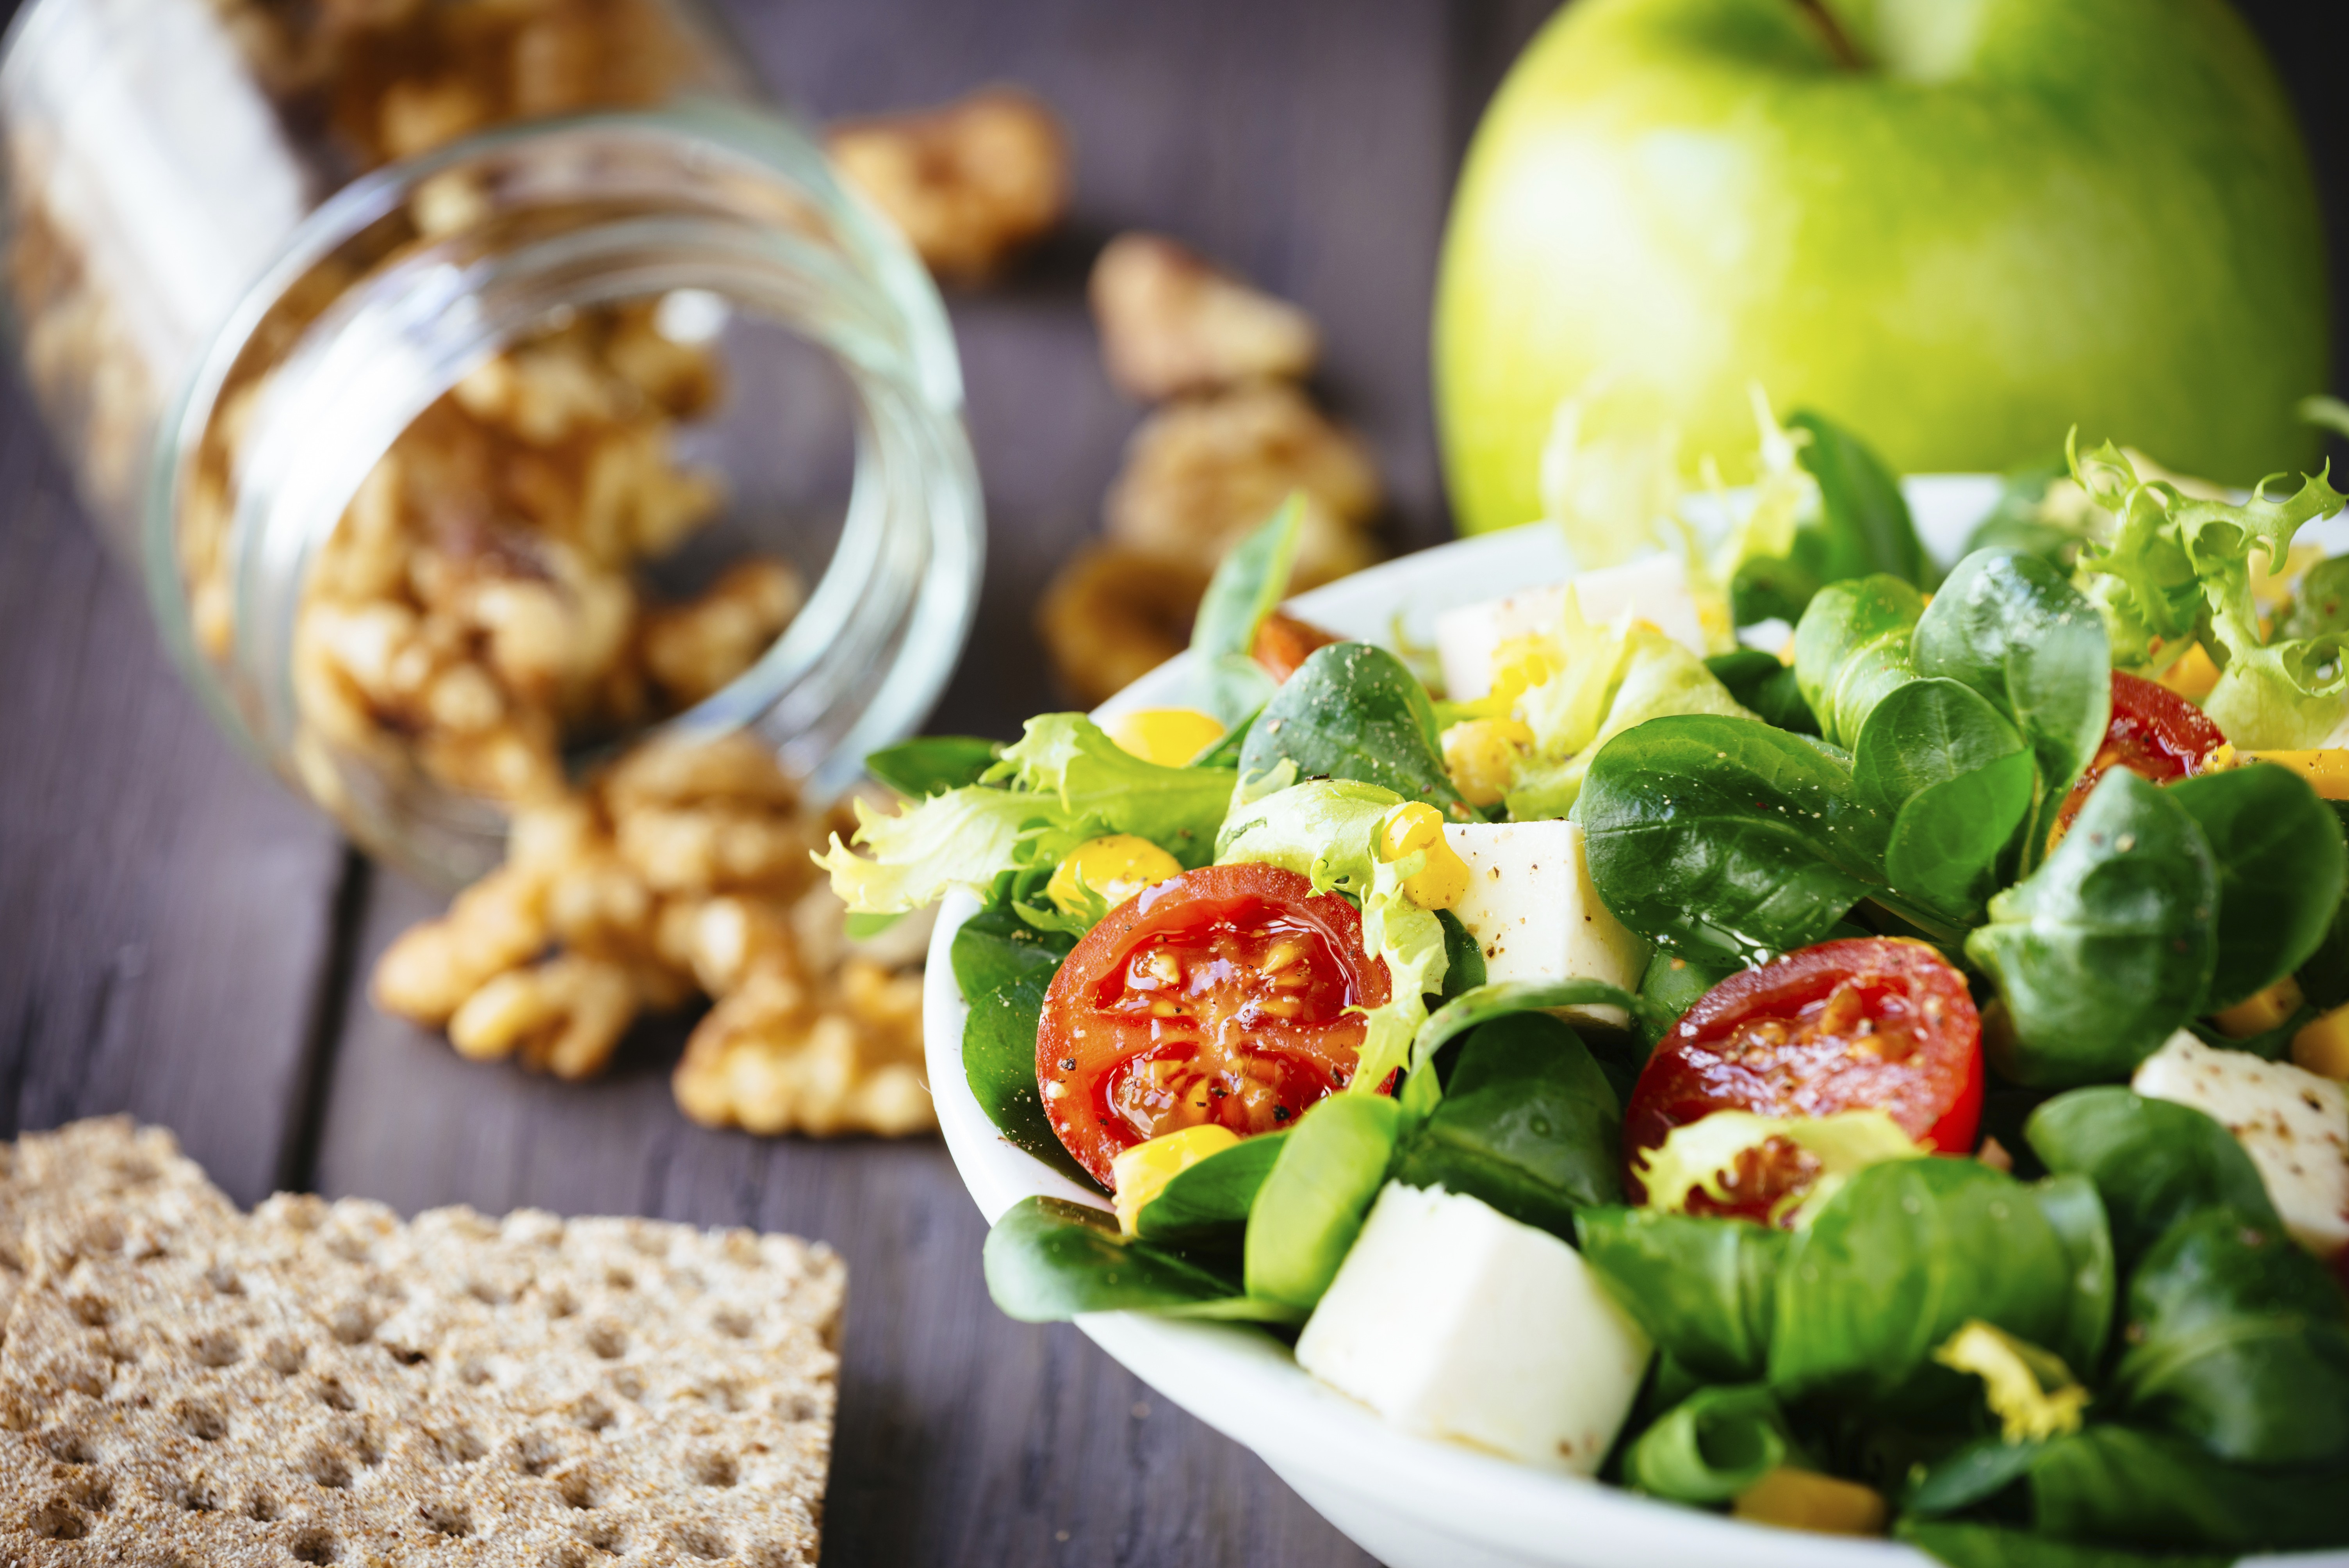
1408	1502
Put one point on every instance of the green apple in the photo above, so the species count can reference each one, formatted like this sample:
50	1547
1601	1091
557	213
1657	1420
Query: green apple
1959	227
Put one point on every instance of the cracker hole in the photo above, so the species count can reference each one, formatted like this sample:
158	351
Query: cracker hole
619	1279
194	1497
569	1554
448	1519
69	1447
328	1469
351	1322
536	1453
699	1540
560	1302
351	1249
57	1520
94	1494
629	1384
314	1546
727	1396
472	1371
733	1321
223	1280
485	1293
607	1539
801	1407
261	1506
410	1355
216	1347
592	1414
285	1356
334	1395
462	1445
203	1420
95	1311
713	1469
579	1489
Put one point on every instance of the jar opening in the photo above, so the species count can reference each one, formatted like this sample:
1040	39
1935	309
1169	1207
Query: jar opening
605	370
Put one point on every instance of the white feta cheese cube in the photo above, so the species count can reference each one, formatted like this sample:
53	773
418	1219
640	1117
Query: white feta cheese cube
2294	1124
1534	913
1653	588
1453	1321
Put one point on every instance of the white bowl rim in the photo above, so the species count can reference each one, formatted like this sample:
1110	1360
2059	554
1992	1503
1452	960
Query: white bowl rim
1242	1381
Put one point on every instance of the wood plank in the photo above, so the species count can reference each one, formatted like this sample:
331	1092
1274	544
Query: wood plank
165	910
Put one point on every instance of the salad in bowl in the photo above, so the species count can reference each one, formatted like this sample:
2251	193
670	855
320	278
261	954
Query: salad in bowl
1792	1033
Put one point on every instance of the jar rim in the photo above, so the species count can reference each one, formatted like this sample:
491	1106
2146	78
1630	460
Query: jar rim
864	660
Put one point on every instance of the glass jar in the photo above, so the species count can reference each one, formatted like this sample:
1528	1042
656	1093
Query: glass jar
473	383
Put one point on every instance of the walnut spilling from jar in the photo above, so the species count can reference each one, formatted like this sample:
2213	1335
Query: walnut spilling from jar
1113	614
684	867
970	184
1170	324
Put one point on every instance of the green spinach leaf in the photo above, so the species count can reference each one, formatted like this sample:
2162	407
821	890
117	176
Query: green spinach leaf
1725	840
1863	515
1956	780
1851	648
2277	851
932	764
2115	1483
1669	988
999	1059
995	946
2014	628
1712	1446
1353	711
2154	1161
1207	1204
2077	1215
2240	1340
2108	948
1705	1289
1897	1261
1048	1259
1248	584
1966	1545
1527	1123
1765	684
1305	1217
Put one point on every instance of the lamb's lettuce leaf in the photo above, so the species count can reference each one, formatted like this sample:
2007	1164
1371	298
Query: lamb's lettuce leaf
2237	1339
1248	584
2154	1161
1897	1262
1352	711
2277	848
932	764
1704	1289
2101	953
1064	781
1049	1260
1711	1446
2122	1485
1851	648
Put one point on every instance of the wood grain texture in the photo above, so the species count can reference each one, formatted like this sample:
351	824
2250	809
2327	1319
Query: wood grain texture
166	912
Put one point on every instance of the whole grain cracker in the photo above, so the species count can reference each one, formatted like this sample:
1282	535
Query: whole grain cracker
319	1382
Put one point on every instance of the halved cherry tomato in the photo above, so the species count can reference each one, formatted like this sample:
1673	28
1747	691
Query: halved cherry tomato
1217	996
1284	642
1869	1023
2154	733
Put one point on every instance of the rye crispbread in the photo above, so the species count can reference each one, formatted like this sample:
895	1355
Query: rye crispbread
320	1382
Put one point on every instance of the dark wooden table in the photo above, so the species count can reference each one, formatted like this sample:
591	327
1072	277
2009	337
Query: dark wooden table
180	939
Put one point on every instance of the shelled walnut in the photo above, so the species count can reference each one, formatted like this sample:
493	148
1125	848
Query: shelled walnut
1201	472
685	868
1170	324
970	184
1113	614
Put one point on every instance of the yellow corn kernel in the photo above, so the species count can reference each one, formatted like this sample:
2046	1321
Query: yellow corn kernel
1169	737
1142	1172
1805	1500
2193	675
1481	755
1518	666
2322	1046
1410	828
1116	866
2327	772
2260	1011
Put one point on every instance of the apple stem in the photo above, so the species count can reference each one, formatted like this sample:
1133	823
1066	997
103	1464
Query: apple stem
1839	45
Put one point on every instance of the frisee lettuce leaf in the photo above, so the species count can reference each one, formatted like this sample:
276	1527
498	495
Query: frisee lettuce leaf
1697	1155
2177	569
1063	782
1327	832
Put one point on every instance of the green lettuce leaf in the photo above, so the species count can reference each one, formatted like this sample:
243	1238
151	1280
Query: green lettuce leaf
1644	675
1064	781
2177	569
